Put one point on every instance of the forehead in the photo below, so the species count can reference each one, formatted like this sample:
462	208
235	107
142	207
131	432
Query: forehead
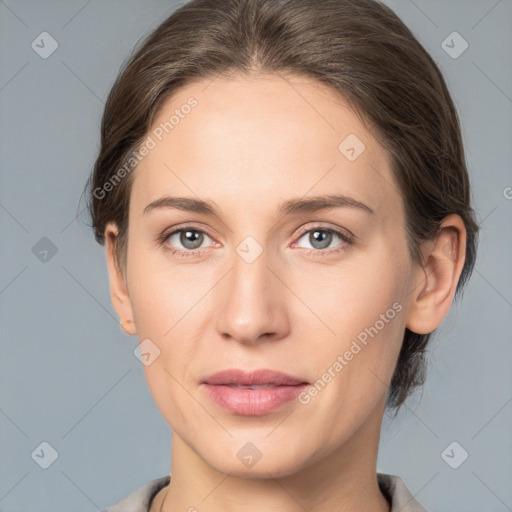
261	138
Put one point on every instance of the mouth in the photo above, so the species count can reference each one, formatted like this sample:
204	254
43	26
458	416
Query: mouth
252	378
253	392
255	386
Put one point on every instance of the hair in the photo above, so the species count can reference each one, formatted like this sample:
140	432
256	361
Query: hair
361	50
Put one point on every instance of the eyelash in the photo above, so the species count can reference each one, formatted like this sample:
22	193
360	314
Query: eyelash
346	240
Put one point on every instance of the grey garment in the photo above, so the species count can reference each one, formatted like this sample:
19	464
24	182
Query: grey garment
391	486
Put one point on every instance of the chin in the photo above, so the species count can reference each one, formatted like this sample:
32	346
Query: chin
246	459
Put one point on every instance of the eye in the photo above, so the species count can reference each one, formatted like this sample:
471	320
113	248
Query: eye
321	238
189	241
185	240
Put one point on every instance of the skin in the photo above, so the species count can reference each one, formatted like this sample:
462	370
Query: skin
250	144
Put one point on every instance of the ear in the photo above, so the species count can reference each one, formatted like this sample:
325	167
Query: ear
118	288
438	276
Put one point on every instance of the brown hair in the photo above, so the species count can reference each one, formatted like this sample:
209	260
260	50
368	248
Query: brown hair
359	48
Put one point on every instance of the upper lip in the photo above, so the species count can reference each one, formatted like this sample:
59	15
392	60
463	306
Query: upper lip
252	378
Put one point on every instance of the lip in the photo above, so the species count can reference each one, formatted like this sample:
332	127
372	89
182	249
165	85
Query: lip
252	378
273	389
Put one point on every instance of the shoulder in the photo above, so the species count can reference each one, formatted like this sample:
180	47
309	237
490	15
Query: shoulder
397	493
140	499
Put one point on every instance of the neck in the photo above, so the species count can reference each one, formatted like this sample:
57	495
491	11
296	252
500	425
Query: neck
345	480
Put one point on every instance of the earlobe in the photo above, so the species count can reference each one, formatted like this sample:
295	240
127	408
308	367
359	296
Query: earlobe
118	289
443	263
127	326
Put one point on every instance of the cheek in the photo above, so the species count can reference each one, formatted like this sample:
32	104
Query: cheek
163	307
161	295
157	315
365	309
354	366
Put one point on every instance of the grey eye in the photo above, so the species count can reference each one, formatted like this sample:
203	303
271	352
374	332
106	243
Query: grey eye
320	238
188	238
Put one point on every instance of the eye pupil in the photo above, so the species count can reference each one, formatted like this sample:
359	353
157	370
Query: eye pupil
325	238
195	237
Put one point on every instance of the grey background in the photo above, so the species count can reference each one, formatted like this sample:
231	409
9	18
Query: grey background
68	375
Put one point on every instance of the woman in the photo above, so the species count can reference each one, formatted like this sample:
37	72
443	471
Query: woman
283	197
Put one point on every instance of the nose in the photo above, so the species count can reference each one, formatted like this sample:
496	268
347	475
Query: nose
251	303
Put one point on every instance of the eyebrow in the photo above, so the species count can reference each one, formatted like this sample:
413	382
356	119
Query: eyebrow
310	204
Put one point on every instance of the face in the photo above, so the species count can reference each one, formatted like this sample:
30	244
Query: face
269	278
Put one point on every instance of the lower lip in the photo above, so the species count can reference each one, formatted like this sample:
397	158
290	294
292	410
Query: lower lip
252	402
